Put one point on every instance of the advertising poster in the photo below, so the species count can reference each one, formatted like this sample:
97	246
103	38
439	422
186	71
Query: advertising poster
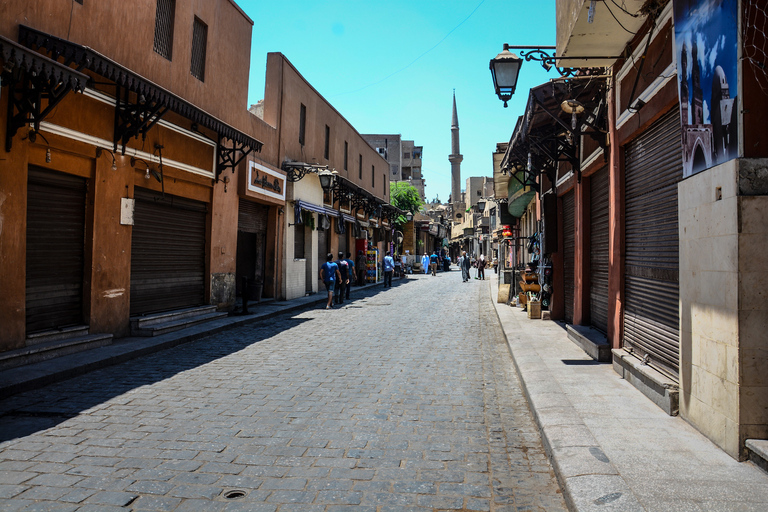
706	40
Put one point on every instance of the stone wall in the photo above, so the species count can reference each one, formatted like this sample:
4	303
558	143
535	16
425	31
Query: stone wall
709	303
723	312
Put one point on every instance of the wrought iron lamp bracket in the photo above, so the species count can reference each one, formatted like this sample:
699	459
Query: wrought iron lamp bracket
548	59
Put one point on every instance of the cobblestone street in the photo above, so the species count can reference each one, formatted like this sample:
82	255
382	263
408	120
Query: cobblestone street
404	398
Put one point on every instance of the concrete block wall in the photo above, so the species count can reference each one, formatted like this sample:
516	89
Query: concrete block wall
296	269
723	308
708	205
753	317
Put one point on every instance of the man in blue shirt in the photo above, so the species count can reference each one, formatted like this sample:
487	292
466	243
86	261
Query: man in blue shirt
389	267
433	263
344	280
329	273
352	273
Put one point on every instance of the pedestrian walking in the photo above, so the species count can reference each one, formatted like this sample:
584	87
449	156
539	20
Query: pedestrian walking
465	265
425	263
481	267
329	273
389	268
343	283
352	273
360	267
433	263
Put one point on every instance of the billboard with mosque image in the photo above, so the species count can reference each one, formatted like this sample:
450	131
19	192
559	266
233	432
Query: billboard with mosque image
706	41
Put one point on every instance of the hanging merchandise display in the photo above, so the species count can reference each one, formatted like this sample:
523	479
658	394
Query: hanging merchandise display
534	249
371	265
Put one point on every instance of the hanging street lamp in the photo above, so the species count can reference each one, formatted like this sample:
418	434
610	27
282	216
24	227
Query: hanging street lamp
505	68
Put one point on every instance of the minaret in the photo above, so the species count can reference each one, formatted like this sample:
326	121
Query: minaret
455	158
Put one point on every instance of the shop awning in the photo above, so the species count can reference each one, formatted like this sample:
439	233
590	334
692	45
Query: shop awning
546	134
88	58
311	207
16	55
31	77
152	100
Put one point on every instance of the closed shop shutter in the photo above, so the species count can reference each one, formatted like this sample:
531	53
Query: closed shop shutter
252	217
651	318
251	245
55	249
598	255
569	252
167	253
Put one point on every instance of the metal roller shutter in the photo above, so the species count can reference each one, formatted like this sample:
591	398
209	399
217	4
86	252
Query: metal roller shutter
569	252
598	255
251	244
167	253
55	249
252	217
651	288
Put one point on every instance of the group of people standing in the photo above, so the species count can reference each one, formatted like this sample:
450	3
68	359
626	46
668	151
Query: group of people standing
466	263
338	276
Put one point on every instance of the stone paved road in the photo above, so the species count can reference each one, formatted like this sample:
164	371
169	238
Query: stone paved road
404	399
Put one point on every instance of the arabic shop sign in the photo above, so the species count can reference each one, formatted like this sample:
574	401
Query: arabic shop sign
265	181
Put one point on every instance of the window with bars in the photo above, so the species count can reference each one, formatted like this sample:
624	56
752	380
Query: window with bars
199	44
346	154
373	176
360	167
302	124
164	15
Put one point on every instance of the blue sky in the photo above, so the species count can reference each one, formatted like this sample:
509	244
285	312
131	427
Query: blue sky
391	67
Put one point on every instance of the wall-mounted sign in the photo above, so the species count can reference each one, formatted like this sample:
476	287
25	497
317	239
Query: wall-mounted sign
264	181
126	211
706	36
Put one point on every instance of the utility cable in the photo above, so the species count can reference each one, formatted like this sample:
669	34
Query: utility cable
617	19
637	14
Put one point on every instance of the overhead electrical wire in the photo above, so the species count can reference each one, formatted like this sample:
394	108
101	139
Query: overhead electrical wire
637	14
617	19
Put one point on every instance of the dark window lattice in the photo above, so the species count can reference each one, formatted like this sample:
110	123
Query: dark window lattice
199	43
164	27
